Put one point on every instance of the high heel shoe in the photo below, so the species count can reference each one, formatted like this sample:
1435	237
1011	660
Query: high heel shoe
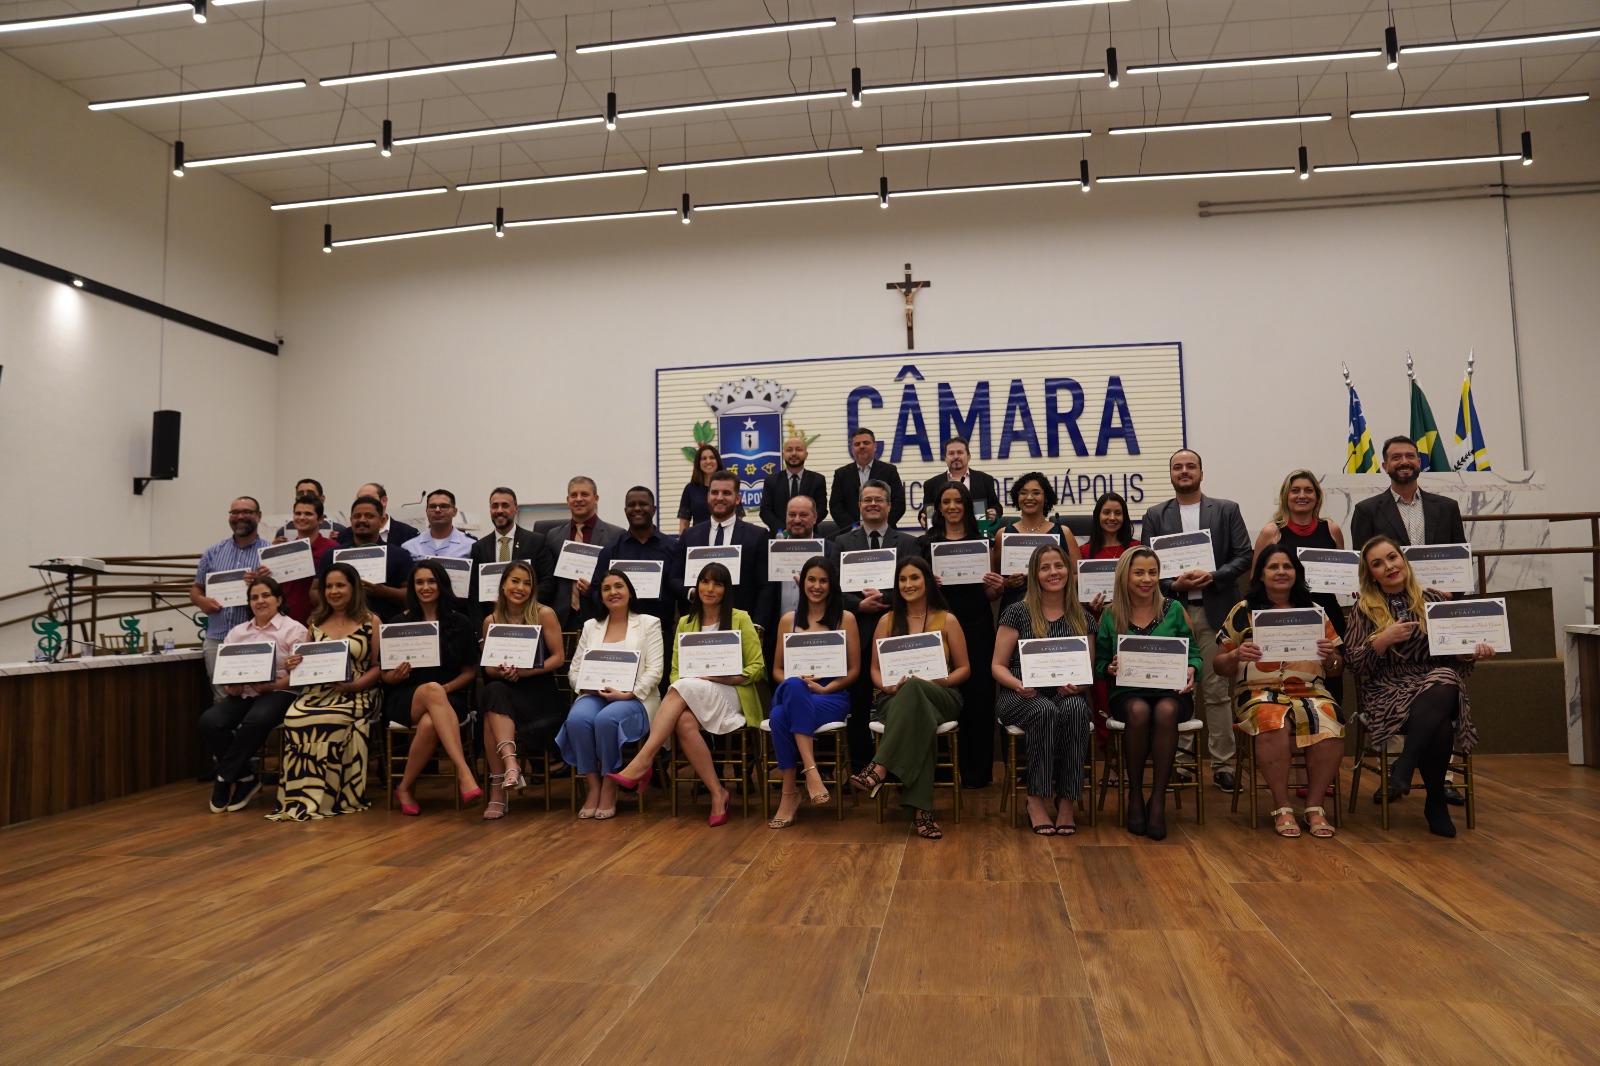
468	799
1437	811
727	807
411	810
513	775
633	784
495	810
818	799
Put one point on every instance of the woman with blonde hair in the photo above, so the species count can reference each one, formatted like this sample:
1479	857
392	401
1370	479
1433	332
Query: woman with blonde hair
1404	688
519	699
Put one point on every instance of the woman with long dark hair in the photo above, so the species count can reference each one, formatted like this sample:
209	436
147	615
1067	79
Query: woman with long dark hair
1110	528
693	506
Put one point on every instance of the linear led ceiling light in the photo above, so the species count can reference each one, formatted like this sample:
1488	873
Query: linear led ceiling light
201	94
1255	61
840	198
549	179
977	9
89	17
658	213
748	101
736	161
952	189
361	198
707	35
1503	157
1480	105
1498	42
975	83
436	68
1193	174
1283	120
287	153
499	131
1018	138
382	237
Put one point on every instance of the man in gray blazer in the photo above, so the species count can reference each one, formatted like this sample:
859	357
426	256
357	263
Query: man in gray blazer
1208	596
584	525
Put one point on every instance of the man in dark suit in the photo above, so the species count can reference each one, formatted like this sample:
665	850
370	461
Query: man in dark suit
850	478
793	480
1405	512
390	530
869	605
752	592
585	525
985	489
1209	595
510	541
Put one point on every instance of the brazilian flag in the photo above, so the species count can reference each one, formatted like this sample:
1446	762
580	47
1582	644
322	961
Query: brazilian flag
1426	432
1360	458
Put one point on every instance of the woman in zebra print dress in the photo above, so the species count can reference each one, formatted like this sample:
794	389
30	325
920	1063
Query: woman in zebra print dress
325	731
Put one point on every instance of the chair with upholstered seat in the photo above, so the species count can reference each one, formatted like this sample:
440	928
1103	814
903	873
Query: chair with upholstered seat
946	758
834	769
1015	786
1187	761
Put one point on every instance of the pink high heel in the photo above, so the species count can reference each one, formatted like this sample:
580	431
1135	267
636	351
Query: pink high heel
727	810
633	784
470	798
409	809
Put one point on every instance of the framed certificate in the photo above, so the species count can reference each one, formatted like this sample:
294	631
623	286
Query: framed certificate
696	560
371	561
1288	634
645	575
616	668
719	653
1096	577
1446	567
513	645
960	562
1457	627
489	581
1016	549
228	587
289	561
1184	551
914	655
577	560
872	568
322	662
786	557
1152	662
1331	570
251	662
460	571
1050	662
416	643
812	654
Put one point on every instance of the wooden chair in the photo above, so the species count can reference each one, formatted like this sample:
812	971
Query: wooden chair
1188	761
579	781
1298	776
1460	764
397	745
949	760
1014	788
727	749
838	765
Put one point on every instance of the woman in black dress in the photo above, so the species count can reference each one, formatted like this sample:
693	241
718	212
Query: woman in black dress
693	507
973	607
517	699
1298	523
434	699
1034	498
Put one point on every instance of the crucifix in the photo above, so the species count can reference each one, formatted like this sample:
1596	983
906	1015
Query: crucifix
909	290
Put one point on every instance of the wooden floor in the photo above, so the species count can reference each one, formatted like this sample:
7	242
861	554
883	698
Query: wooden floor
150	931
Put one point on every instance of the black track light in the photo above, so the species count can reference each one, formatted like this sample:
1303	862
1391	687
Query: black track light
611	111
177	159
200	10
499	222
386	146
855	86
1527	149
883	192
1111	66
327	237
684	210
1391	47
1305	164
1083	175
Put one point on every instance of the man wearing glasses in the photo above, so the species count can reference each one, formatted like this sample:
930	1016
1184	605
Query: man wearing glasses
241	551
441	537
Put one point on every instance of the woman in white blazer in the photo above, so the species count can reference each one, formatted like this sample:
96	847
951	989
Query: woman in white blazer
602	720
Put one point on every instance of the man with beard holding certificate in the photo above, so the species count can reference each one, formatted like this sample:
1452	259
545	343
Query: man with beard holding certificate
508	541
799	523
868	605
388	599
241	551
751	591
1208	595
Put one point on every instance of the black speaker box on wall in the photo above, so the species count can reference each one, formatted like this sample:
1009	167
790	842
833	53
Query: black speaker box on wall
164	445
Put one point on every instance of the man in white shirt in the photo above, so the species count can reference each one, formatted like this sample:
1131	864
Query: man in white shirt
442	536
508	541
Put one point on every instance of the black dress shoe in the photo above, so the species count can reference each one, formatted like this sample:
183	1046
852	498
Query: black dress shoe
1225	780
1396	793
243	792
221	792
1453	796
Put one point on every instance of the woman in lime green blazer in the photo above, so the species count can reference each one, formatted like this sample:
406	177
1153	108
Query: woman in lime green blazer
714	705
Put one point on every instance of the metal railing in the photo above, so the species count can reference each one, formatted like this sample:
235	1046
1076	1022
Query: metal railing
1482	556
132	586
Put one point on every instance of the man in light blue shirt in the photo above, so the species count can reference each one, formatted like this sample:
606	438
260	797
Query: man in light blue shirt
238	552
441	537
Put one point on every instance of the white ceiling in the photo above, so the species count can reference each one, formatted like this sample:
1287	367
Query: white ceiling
278	39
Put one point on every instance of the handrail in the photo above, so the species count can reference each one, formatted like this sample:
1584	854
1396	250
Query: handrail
159	584
1482	556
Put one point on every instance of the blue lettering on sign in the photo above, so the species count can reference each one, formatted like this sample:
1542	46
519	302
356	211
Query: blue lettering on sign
1055	418
974	426
1017	408
1116	403
853	411
911	412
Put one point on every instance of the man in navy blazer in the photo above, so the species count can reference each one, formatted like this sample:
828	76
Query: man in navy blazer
509	541
851	478
793	480
1207	595
752	593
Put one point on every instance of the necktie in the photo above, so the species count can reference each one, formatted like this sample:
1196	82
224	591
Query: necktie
794	485
873	537
577	533
505	549
720	531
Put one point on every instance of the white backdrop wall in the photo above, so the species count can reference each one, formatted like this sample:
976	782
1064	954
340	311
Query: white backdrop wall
82	375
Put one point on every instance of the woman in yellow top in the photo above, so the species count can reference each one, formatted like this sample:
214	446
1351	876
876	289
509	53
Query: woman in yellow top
716	705
1279	703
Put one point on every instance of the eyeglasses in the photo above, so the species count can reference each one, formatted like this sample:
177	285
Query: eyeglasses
440	506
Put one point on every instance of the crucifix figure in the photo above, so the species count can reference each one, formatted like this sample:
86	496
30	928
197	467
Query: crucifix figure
909	290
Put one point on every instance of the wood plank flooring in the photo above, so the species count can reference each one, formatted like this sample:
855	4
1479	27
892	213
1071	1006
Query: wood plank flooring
148	931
